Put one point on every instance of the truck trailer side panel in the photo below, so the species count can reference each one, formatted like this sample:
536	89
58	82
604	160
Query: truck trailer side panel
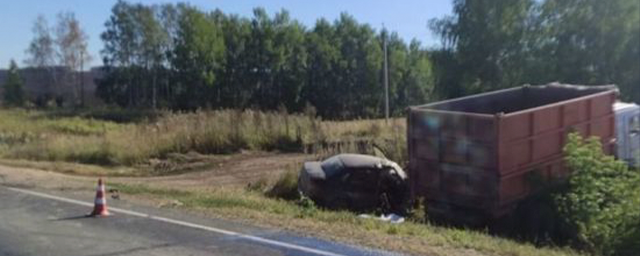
486	152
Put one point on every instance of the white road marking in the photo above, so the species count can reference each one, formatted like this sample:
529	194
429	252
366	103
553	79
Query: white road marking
183	223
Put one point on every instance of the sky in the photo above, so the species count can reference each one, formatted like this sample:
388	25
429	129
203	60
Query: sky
409	18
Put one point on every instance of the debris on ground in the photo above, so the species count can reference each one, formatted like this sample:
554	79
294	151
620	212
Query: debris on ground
391	218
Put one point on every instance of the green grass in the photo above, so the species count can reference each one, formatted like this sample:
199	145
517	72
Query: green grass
411	237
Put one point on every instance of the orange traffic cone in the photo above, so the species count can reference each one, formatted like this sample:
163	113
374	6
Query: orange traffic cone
100	207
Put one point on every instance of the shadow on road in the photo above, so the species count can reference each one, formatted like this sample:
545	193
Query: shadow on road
73	218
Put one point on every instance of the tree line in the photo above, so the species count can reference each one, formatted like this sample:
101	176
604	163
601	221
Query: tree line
180	57
493	44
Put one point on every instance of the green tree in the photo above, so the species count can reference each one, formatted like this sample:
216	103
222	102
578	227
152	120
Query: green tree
398	55
487	37
602	202
417	83
494	44
358	69
234	87
153	39
410	74
274	59
593	42
268	62
322	75
137	42
13	91
119	53
263	59
291	68
197	57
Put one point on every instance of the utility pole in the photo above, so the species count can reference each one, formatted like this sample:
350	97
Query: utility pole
386	76
82	78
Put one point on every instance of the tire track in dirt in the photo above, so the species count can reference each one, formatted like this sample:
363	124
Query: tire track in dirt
229	170
234	170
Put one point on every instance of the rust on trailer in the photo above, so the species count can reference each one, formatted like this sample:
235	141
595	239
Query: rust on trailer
487	151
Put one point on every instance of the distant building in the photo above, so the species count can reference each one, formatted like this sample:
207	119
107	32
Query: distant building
48	84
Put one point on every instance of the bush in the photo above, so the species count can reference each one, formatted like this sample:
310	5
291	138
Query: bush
630	245
13	88
602	202
418	213
307	206
286	187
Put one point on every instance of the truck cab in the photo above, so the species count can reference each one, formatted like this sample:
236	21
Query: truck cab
627	117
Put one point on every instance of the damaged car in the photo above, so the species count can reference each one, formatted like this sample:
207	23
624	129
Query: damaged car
355	182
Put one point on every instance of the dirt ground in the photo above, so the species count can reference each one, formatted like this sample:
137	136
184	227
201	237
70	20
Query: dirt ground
228	170
232	170
237	170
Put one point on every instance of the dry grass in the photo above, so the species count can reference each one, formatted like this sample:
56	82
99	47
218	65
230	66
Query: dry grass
45	136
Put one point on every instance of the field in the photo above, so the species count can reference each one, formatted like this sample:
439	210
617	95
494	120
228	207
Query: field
148	142
233	164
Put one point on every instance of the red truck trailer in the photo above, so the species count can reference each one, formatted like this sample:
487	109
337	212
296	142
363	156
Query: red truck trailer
486	153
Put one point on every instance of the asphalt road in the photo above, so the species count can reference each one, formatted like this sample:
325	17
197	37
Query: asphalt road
42	223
